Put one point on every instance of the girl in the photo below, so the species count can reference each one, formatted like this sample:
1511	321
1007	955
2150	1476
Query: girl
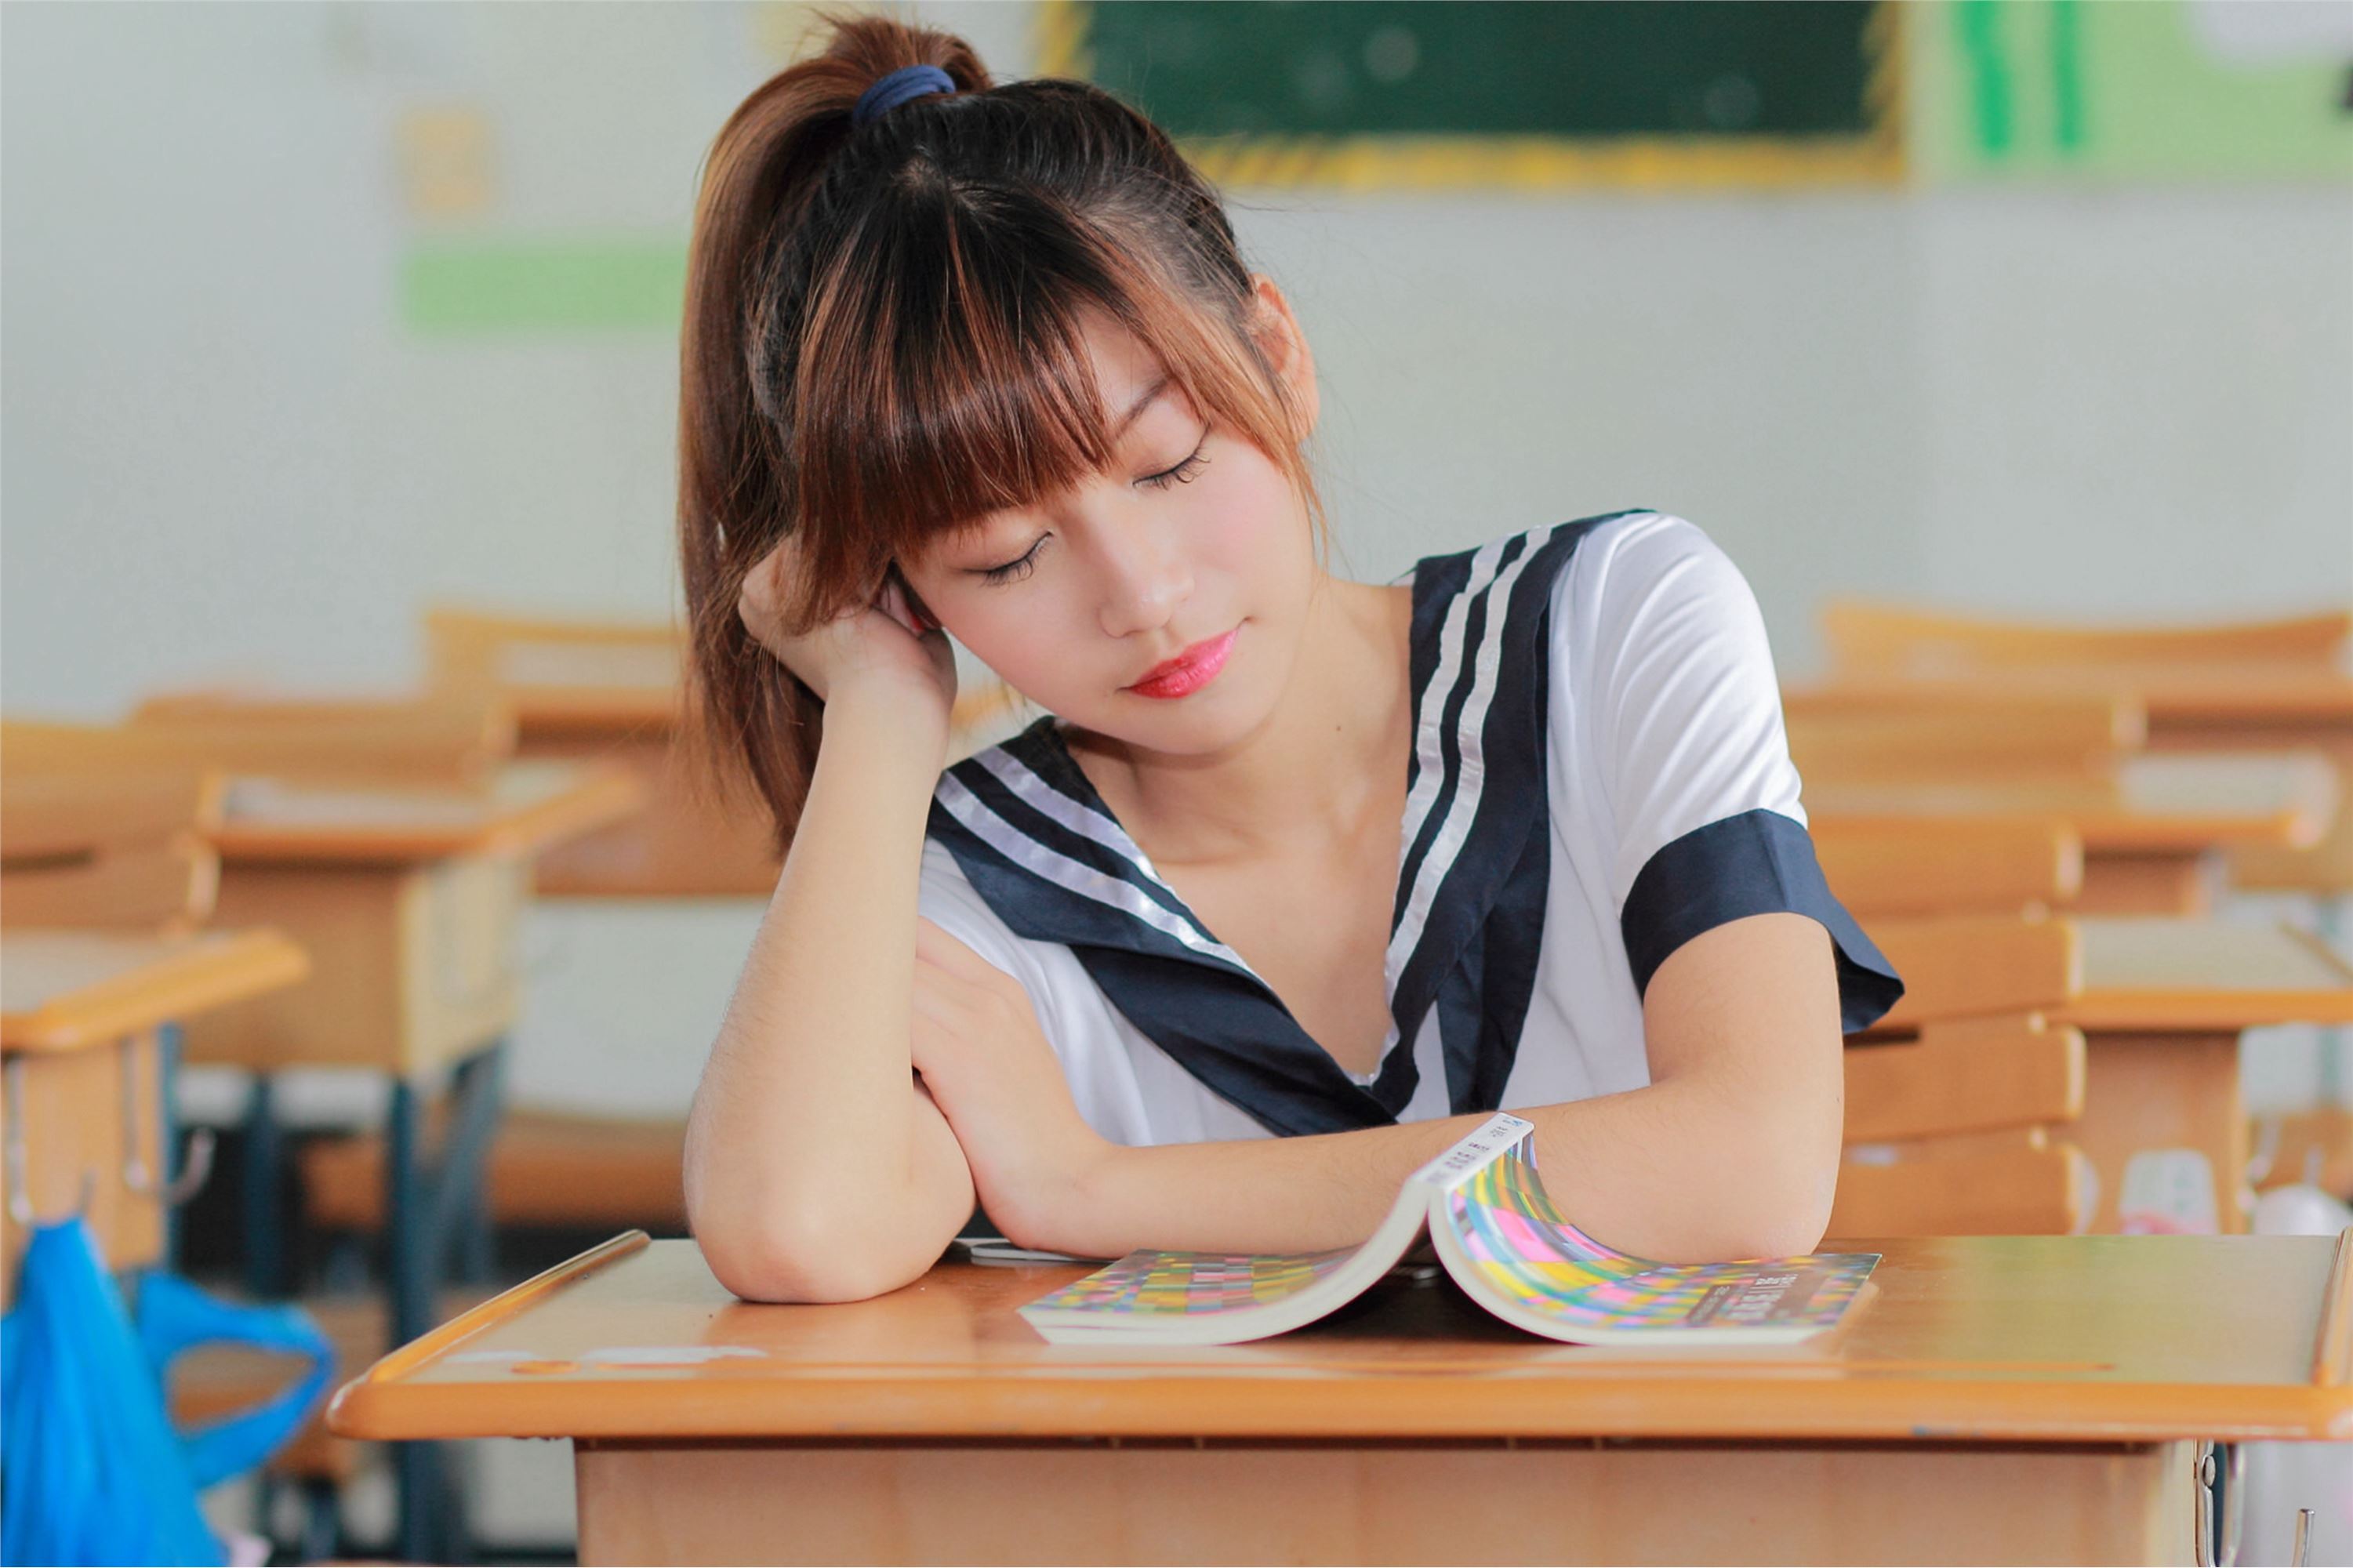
1351	864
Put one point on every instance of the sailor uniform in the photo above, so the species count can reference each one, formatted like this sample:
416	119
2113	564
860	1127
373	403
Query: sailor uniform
1599	773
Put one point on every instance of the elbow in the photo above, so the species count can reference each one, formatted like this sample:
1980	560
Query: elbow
1764	1208
806	1263
1786	1216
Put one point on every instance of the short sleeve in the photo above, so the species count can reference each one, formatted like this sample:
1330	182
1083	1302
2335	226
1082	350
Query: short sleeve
1663	641
946	899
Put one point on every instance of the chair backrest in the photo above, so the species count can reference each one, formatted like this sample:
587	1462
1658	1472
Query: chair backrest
1897	735
551	667
1975	966
1950	865
122	848
1965	1076
1875	638
442	739
2022	1181
467	650
1961	1131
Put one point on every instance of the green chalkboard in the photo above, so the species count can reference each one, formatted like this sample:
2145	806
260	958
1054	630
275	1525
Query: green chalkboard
1681	69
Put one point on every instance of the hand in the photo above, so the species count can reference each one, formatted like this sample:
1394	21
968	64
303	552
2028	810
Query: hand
991	1072
882	642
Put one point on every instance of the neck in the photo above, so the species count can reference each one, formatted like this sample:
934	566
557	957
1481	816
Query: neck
1323	761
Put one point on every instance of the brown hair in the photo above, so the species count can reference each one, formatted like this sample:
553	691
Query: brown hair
883	338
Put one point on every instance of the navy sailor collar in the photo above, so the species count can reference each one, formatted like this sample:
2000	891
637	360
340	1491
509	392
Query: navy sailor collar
1037	843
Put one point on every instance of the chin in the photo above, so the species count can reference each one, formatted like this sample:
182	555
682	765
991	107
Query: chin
1187	726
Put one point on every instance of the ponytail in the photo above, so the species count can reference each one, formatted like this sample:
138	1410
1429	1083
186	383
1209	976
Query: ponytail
883	339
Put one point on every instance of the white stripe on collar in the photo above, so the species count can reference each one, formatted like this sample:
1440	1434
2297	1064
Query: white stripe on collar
1470	744
1074	876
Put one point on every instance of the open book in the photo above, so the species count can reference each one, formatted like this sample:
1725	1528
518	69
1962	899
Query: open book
1497	1233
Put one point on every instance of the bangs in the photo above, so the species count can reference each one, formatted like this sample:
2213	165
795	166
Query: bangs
943	374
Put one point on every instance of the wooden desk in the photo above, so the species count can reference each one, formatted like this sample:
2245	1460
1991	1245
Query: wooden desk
2232	706
85	1032
2162	1004
2153	834
1994	1399
408	901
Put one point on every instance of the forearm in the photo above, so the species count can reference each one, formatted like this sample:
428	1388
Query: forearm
1676	1172
807	1138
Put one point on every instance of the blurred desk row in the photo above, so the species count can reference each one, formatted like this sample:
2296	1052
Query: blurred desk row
2040	840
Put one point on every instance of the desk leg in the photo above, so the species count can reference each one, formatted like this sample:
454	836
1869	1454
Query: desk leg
264	1193
461	1208
1574	1502
429	1215
2144	1092
2329	924
168	1169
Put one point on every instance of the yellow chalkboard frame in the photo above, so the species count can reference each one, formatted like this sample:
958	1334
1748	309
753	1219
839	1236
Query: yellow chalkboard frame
1877	157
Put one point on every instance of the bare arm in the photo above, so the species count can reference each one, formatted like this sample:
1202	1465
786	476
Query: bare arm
815	1170
1730	1152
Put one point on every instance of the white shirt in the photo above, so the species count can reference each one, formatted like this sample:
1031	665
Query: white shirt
1668	805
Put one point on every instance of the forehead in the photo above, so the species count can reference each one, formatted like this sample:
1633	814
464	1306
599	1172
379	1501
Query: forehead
1121	365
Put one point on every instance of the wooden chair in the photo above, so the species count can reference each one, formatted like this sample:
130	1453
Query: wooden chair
613	690
110	852
101	847
439	740
1958	1103
545	1168
1874	638
1952	1133
432	742
1895	867
1837	736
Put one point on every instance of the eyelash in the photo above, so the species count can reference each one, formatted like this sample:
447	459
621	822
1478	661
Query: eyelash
1182	474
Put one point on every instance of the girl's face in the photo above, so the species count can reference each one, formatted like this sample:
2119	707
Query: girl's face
1160	602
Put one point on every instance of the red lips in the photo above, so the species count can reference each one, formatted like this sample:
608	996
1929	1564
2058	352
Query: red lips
1189	670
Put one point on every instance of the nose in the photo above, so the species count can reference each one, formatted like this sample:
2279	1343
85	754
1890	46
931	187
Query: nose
1145	575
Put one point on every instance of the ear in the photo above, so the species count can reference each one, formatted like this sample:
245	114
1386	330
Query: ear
1284	345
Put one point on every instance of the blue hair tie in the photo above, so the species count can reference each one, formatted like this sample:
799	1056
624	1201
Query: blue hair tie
889	92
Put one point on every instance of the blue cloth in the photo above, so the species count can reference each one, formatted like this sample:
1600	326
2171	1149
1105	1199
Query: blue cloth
94	1471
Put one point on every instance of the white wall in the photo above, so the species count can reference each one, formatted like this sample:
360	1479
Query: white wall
221	456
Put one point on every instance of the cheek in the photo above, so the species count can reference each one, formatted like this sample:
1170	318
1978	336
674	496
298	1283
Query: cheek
1252	531
1027	634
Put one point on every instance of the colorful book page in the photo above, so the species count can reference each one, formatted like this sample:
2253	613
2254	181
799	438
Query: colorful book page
1509	1228
1521	1247
1808	1294
1146	1286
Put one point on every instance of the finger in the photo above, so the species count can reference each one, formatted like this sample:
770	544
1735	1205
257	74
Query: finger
894	604
933	945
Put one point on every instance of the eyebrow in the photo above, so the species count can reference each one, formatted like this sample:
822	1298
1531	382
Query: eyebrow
1135	410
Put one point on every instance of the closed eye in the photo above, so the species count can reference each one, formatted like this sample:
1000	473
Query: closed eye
1013	570
1183	473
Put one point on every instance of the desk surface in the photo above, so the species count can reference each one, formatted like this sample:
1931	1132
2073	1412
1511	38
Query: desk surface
2043	1338
2154	804
63	990
528	806
2170	976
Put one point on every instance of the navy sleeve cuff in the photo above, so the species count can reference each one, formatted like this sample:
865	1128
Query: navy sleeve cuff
1759	862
